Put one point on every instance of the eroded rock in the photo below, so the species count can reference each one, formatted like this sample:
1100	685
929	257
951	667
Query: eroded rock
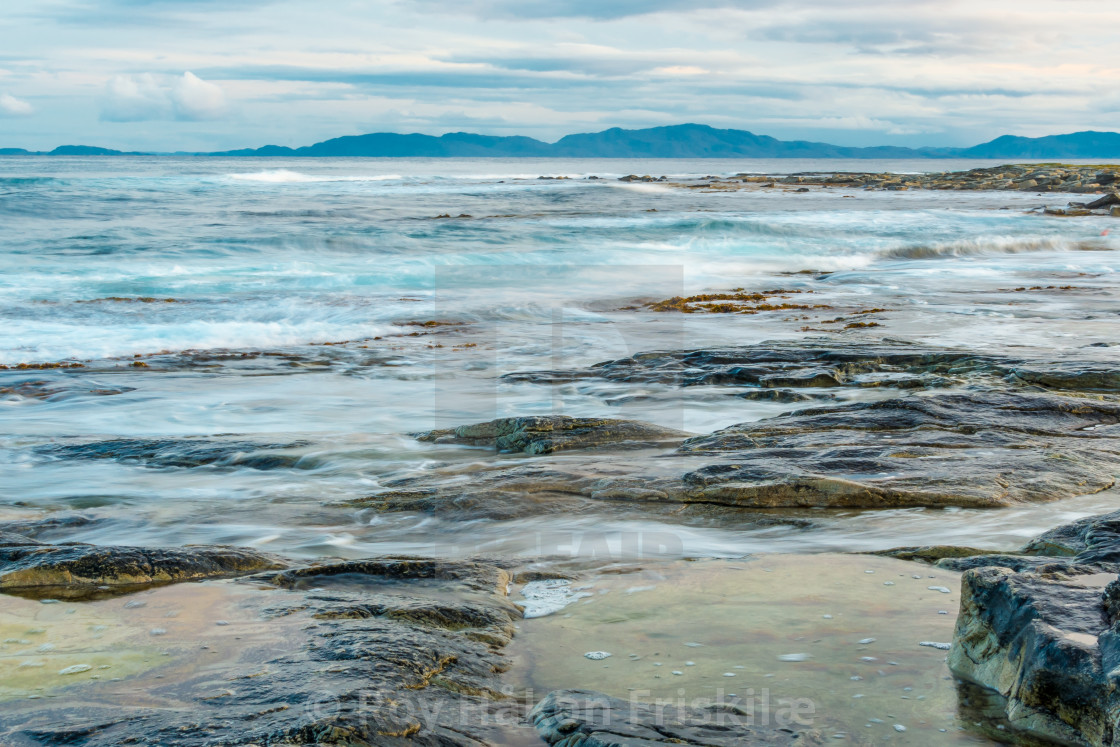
386	651
545	434
33	565
978	448
1043	640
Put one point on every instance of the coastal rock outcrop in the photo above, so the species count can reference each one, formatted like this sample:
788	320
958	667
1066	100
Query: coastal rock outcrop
1047	641
384	651
1039	629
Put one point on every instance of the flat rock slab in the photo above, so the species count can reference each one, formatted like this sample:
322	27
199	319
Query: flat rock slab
543	434
979	448
30	565
590	719
887	364
384	651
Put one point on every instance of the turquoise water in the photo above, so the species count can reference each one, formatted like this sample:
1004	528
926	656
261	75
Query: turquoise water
264	261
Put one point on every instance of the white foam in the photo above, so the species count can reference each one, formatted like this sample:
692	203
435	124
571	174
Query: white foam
541	598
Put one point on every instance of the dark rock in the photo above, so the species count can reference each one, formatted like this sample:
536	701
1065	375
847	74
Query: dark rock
389	651
775	364
182	452
978	448
1110	199
583	718
34	565
1092	540
970	449
1044	641
540	434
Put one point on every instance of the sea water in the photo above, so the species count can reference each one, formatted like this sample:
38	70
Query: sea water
322	310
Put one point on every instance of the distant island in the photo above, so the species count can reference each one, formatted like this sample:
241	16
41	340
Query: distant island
676	141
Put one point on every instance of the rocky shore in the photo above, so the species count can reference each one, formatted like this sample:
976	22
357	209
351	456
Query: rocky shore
1039	179
963	430
403	650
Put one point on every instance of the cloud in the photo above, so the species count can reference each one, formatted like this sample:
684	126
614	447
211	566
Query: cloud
603	10
138	98
194	99
10	106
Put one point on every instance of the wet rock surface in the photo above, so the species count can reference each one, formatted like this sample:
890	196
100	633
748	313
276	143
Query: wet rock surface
1043	640
542	434
386	651
28	566
887	364
592	719
961	430
1040	629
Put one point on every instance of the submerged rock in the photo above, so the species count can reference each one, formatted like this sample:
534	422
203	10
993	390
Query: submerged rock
33	565
977	448
890	364
181	452
591	719
386	651
545	434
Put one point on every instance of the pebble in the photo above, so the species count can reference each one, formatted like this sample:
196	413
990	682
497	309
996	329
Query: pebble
827	617
220	622
690	663
157	631
865	641
728	674
935	644
134	604
793	657
76	669
677	672
899	727
48	601
868	658
596	655
693	644
942	589
943	612
888	583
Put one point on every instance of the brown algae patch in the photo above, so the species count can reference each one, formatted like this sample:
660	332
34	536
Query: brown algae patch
839	638
119	649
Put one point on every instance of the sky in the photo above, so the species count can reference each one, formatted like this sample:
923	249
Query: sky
196	75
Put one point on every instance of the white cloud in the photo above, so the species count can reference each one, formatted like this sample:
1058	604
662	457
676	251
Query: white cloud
10	106
136	98
193	98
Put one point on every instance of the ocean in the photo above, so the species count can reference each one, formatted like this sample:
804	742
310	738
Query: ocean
259	338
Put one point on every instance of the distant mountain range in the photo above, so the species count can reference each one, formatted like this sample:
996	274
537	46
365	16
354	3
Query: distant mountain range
677	141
